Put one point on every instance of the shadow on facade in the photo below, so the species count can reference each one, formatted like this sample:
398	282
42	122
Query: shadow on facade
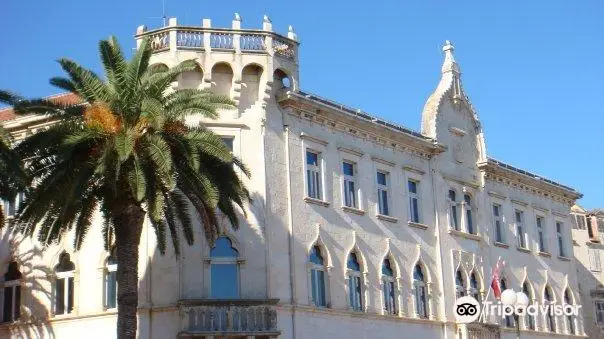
35	285
589	289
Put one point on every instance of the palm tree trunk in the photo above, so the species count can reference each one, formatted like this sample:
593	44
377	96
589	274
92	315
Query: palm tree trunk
128	221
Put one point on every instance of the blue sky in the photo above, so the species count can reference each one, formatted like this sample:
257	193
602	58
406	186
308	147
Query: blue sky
532	69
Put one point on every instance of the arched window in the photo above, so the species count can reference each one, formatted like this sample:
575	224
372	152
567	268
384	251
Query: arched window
509	321
468	207
453	216
222	79
419	285
317	277
64	285
474	286
389	287
224	270
12	293
250	86
528	319
460	286
110	299
550	320
191	79
355	287
570	323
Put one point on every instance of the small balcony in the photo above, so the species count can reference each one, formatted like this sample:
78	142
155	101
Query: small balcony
233	318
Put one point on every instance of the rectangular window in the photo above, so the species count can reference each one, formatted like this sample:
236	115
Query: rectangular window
317	278
313	175
350	196
594	260
110	289
469	222
382	192
453	218
354	289
600	312
228	141
541	235
12	303
64	295
413	187
389	297
498	223
520	233
560	235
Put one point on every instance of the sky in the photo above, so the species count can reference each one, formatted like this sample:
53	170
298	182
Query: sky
532	69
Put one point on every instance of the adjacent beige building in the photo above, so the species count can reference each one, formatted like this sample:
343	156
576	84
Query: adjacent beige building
359	227
588	243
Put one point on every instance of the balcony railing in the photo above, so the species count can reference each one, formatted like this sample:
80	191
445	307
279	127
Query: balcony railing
206	38
229	317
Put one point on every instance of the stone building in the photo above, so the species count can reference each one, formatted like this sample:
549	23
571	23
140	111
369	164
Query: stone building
588	243
359	227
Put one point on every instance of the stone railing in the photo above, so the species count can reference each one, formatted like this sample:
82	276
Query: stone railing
239	316
206	38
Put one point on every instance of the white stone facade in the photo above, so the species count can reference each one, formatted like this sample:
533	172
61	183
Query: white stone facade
272	131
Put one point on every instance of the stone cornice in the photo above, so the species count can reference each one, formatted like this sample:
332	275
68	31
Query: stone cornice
526	183
334	118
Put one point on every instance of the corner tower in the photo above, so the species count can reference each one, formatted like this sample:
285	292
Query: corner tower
247	65
449	118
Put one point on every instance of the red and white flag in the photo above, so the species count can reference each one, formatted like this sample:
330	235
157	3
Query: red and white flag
496	278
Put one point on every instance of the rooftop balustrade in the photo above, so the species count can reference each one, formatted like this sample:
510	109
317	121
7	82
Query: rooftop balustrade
205	38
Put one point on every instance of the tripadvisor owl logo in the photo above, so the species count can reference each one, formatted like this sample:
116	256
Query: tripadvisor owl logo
466	310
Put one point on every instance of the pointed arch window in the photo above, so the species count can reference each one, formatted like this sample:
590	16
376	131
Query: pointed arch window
11	300
570	323
550	321
453	216
509	321
419	285
355	287
529	320
110	297
389	287
460	286
317	277
64	285
224	270
474	286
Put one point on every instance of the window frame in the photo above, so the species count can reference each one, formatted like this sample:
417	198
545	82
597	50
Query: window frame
414	197
468	214
599	312
460	284
346	180
15	308
355	278
453	213
520	227
64	279
498	223
318	268
550	324
541	233
314	170
389	289
221	260
420	289
381	188
561	239
109	270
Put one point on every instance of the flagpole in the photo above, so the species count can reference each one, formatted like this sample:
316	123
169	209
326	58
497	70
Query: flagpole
482	313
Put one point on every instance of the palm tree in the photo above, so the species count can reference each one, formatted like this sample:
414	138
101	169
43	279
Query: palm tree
11	171
128	150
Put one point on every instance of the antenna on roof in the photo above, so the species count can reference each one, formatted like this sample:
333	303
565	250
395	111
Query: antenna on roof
163	14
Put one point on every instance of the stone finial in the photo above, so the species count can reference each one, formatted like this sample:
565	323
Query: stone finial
291	34
267	25
237	21
172	22
449	65
141	29
206	23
